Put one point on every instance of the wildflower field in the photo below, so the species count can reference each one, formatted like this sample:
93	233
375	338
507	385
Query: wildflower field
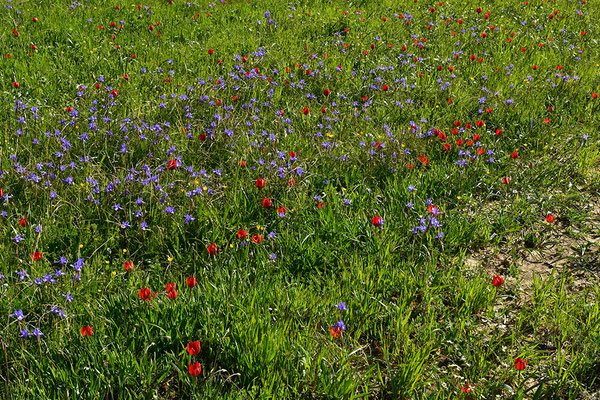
304	199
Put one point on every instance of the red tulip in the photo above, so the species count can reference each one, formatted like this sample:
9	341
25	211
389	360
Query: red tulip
170	286
385	88
172	294
33	47
335	331
36	256
468	388
266	202
212	249
172	164
506	180
195	369
497	281
146	294
550	218
520	364
514	154
305	110
594	95
447	147
377	221
34	19
260	183
16	85
151	27
326	92
257	238
244	59
191	281
193	347
87	331
479	124
498	132
210	52
241	234
128	265
23	221
114	93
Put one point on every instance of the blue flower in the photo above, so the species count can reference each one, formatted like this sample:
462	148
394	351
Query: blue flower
341	306
37	333
18	315
22	274
78	265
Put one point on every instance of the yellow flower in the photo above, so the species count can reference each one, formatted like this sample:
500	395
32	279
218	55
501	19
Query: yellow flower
81	246
170	259
124	250
114	273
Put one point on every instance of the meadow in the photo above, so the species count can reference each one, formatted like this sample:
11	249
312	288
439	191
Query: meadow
304	199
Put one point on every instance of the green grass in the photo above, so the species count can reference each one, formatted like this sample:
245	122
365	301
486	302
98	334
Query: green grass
422	318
